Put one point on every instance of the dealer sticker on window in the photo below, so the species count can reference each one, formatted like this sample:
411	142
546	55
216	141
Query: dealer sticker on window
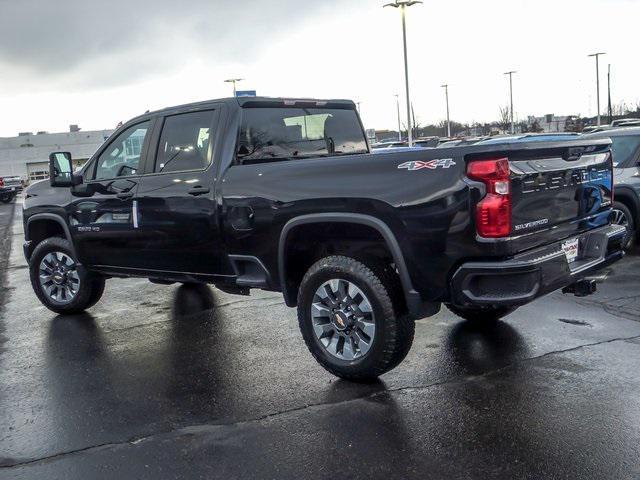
571	249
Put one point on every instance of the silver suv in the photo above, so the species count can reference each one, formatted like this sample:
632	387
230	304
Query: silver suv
626	158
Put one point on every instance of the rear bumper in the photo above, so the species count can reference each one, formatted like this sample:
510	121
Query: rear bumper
536	273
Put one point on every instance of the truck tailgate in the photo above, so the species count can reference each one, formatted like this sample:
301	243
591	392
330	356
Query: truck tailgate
558	190
548	192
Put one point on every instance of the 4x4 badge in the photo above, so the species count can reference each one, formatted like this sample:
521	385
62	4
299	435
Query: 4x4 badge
430	164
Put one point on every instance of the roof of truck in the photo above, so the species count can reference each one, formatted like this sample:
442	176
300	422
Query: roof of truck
259	101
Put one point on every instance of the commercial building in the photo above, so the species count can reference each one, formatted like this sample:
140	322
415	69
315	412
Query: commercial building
27	155
551	123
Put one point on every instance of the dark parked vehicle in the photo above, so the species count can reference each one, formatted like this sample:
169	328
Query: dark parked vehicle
626	158
9	188
284	195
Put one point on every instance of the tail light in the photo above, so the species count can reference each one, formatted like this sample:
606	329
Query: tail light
1	182
493	212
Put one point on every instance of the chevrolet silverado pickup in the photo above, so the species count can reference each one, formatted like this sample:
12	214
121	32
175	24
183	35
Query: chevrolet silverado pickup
285	195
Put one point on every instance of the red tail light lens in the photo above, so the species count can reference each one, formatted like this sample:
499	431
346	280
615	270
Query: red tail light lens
1	182
493	212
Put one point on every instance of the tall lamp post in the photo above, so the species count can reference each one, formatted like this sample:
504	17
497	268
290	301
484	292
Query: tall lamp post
513	125
399	123
446	93
402	5
597	57
234	81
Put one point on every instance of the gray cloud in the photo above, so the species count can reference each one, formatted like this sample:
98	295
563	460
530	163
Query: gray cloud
127	40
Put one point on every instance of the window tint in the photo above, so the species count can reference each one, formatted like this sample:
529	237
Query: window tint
624	148
122	156
184	143
288	133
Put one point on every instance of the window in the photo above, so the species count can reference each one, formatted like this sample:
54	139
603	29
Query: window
184	143
623	148
122	156
268	134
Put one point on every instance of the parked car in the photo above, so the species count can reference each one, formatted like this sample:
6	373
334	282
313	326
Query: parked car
626	122
284	195
430	142
626	158
381	145
9	188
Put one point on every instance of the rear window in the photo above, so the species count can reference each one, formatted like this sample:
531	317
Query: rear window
271	134
623	148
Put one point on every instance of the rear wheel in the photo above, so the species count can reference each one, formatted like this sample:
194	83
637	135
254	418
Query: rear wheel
622	216
6	198
481	314
59	282
348	319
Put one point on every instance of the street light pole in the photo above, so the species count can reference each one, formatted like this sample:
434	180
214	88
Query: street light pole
597	56
446	93
399	123
513	125
402	5
234	81
609	107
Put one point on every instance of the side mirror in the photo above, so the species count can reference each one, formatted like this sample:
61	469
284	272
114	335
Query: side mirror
60	169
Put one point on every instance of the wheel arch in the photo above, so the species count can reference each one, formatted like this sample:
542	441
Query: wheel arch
627	196
412	297
45	219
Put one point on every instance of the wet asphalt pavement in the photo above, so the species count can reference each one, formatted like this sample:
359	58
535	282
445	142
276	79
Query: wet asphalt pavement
183	382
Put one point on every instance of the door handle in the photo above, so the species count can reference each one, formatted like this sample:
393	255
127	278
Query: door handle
198	190
125	195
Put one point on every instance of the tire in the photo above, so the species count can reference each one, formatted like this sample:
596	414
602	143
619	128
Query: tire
479	315
88	287
623	216
389	342
6	198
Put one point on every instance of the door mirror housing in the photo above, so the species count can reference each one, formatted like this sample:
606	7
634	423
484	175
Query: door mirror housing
60	169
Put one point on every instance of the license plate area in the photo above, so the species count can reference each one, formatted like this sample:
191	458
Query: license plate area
571	249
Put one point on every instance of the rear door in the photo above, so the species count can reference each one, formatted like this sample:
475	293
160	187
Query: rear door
176	199
103	217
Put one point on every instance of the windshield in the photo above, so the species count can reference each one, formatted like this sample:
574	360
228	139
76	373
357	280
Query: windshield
268	134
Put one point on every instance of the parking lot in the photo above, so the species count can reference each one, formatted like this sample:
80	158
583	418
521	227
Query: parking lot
189	382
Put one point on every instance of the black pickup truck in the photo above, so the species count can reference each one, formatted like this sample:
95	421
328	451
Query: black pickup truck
284	195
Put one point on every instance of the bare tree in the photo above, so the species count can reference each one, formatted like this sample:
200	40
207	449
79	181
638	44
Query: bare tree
504	121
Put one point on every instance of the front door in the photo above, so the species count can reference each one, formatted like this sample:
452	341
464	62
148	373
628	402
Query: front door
176	199
103	218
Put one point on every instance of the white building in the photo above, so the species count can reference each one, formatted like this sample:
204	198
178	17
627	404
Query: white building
27	155
551	123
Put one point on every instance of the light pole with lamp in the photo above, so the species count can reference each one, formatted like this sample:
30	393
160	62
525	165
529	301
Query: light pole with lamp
399	123
402	5
597	57
513	125
446	93
234	81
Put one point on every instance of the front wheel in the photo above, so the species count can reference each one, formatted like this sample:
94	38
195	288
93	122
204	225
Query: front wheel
481	315
348	319
61	284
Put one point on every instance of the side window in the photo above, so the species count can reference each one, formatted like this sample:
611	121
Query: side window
122	156
624	148
184	142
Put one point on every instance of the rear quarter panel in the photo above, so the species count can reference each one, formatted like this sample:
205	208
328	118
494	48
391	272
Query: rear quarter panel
427	209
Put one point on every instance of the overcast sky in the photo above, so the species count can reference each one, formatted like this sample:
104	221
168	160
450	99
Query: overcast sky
97	63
